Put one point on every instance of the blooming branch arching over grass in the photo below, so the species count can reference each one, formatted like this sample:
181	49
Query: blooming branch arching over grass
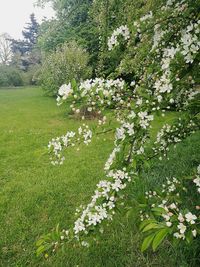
164	80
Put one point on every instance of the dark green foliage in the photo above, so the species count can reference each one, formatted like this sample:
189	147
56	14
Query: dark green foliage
10	76
90	23
25	50
73	23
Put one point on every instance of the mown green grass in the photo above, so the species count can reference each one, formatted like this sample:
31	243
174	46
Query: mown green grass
35	196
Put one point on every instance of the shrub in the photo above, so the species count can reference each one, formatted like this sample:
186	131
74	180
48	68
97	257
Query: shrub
10	76
30	77
67	62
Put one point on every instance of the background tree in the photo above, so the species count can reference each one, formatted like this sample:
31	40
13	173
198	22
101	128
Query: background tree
73	23
5	49
26	49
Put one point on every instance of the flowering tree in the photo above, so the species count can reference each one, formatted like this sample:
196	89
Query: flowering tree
162	50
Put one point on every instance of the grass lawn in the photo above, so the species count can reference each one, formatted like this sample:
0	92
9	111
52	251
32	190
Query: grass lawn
35	196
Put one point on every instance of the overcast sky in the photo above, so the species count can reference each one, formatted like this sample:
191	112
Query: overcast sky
15	13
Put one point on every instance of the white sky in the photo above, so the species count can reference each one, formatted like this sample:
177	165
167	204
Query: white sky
15	13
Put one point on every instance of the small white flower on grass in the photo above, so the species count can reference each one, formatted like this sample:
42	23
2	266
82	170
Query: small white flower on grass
85	244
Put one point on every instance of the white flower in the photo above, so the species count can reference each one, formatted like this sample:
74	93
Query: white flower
197	181
85	244
122	30
139	102
181	218
65	90
79	226
182	228
67	232
147	16
132	83
120	134
166	217
132	115
190	218
194	233
169	224
177	235
173	206
159	97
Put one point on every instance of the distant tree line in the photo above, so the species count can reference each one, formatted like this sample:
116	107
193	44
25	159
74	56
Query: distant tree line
78	24
19	59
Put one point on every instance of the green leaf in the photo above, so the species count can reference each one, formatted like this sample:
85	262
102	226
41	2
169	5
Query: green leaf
74	84
134	164
159	237
43	239
147	242
143	205
39	242
40	250
150	226
144	223
159	210
57	228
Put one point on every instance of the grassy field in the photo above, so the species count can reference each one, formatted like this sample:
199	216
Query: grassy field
35	196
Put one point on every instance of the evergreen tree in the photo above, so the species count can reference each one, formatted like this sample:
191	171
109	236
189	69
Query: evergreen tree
25	50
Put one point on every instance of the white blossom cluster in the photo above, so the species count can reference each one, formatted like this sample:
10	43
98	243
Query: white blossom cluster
111	158
173	134
56	145
175	6
145	119
158	35
147	16
172	4
134	120
103	201
126	128
99	93
163	84
135	112
95	213
63	93
181	221
113	40
189	46
86	133
190	41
